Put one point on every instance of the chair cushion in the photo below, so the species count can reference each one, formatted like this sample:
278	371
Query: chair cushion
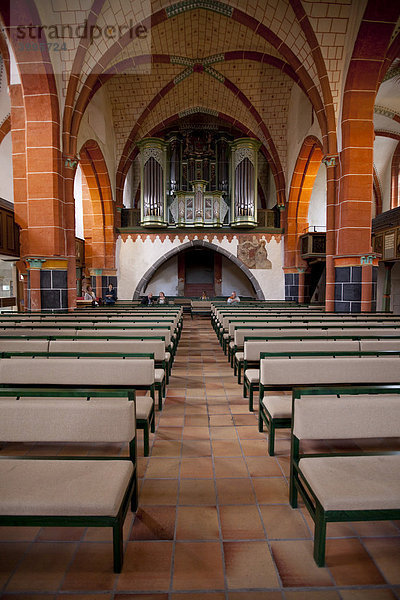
239	356
231	345
63	487
279	407
253	375
159	375
354	482
144	405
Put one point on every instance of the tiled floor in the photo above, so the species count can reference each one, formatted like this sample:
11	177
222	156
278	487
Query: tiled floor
214	520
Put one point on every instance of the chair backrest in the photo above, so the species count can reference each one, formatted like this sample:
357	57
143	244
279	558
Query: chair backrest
290	372
252	349
346	417
67	419
86	372
156	347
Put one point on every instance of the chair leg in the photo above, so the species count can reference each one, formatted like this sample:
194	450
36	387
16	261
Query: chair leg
271	438
239	372
319	536
251	392
260	420
117	547
146	439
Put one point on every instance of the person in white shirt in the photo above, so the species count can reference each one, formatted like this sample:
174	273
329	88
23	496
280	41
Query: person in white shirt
233	298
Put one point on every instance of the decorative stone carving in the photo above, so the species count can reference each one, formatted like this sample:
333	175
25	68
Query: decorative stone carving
253	253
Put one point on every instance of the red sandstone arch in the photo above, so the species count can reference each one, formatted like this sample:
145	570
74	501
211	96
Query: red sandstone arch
303	178
98	208
395	199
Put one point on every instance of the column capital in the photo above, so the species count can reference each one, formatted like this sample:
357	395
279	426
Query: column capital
71	162
35	263
330	160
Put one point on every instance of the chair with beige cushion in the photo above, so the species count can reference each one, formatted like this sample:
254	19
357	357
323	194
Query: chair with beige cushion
284	374
70	491
337	486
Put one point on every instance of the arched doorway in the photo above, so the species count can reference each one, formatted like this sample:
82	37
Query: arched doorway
242	270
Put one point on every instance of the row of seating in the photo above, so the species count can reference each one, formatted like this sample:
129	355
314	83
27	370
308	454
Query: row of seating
286	354
87	395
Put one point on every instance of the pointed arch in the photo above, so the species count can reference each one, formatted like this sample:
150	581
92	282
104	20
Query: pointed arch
98	208
301	186
196	244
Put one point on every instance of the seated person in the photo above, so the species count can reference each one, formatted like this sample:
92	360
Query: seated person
161	298
148	300
90	295
110	296
204	296
233	298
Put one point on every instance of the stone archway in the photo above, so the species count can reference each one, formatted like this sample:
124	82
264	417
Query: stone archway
206	245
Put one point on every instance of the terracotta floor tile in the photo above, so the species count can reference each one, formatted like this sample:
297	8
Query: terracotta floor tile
219	409
226	448
223	433
195	433
154	523
376	529
350	564
194	492
241	523
206	595
198	566
249	432
169	433
365	594
197	467
230	467
166	448
158	491
235	491
263	466
296	565
283	522
247	420
61	534
196	448
43	567
255	596
271	490
147	567
386	554
173	421
312	595
10	555
18	534
196	421
221	420
132	597
255	447
163	467
249	565
195	522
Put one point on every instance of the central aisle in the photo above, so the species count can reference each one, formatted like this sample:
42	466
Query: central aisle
214	513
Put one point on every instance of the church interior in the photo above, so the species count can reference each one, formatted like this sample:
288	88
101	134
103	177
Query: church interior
158	158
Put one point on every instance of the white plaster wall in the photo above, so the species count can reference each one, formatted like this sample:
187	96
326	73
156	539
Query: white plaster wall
5	105
317	208
135	257
383	153
395	304
127	199
6	169
79	231
165	279
234	279
299	127
97	124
